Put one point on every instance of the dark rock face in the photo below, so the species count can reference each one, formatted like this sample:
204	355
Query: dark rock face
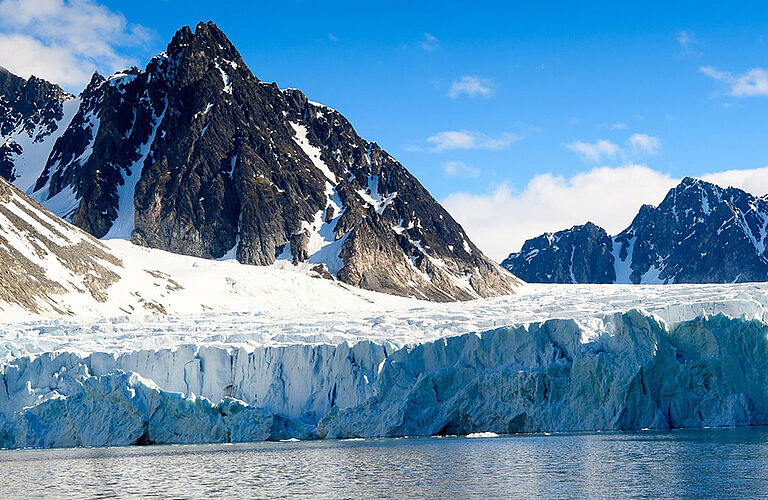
30	111
581	254
700	233
103	150
195	155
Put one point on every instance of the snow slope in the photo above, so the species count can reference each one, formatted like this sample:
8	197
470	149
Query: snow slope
52	269
48	266
36	146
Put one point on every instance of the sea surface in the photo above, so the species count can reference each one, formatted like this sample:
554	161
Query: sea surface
727	463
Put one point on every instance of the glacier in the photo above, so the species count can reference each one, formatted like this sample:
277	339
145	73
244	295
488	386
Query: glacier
176	349
694	357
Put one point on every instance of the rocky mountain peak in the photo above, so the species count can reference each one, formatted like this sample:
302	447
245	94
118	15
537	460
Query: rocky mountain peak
30	113
205	50
28	103
195	155
699	233
580	254
206	36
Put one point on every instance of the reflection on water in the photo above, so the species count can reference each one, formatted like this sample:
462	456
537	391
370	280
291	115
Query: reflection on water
696	463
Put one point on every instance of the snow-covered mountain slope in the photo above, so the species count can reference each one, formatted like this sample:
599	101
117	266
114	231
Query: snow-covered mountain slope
48	266
33	114
195	155
219	379
700	233
53	269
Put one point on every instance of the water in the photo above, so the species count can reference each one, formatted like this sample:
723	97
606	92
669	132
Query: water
697	463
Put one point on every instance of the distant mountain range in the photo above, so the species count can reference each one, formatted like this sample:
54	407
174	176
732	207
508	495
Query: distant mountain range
197	156
700	233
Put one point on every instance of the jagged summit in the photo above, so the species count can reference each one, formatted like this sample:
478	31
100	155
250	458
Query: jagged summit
699	233
193	154
33	112
207	37
580	254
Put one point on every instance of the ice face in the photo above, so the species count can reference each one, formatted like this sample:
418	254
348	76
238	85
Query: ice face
622	371
634	373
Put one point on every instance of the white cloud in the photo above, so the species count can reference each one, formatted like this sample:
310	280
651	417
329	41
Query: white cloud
459	168
430	42
467	139
686	39
333	37
26	56
594	151
501	220
65	40
614	126
753	181
603	149
471	86
753	82
644	143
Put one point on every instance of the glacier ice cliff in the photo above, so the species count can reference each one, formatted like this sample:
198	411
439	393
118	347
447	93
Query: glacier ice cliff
634	374
626	370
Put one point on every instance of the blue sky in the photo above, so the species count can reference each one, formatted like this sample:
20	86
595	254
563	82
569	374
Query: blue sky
503	110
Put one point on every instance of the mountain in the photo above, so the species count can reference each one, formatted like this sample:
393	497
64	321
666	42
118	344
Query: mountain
195	155
249	353
33	113
700	233
581	254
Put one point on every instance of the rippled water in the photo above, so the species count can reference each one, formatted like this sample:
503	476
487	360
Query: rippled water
702	463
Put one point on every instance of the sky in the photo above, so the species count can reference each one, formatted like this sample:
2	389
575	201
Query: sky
520	117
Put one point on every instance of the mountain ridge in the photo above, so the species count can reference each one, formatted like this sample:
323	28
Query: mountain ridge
699	233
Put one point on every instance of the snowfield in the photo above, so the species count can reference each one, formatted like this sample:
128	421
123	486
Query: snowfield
187	350
227	304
